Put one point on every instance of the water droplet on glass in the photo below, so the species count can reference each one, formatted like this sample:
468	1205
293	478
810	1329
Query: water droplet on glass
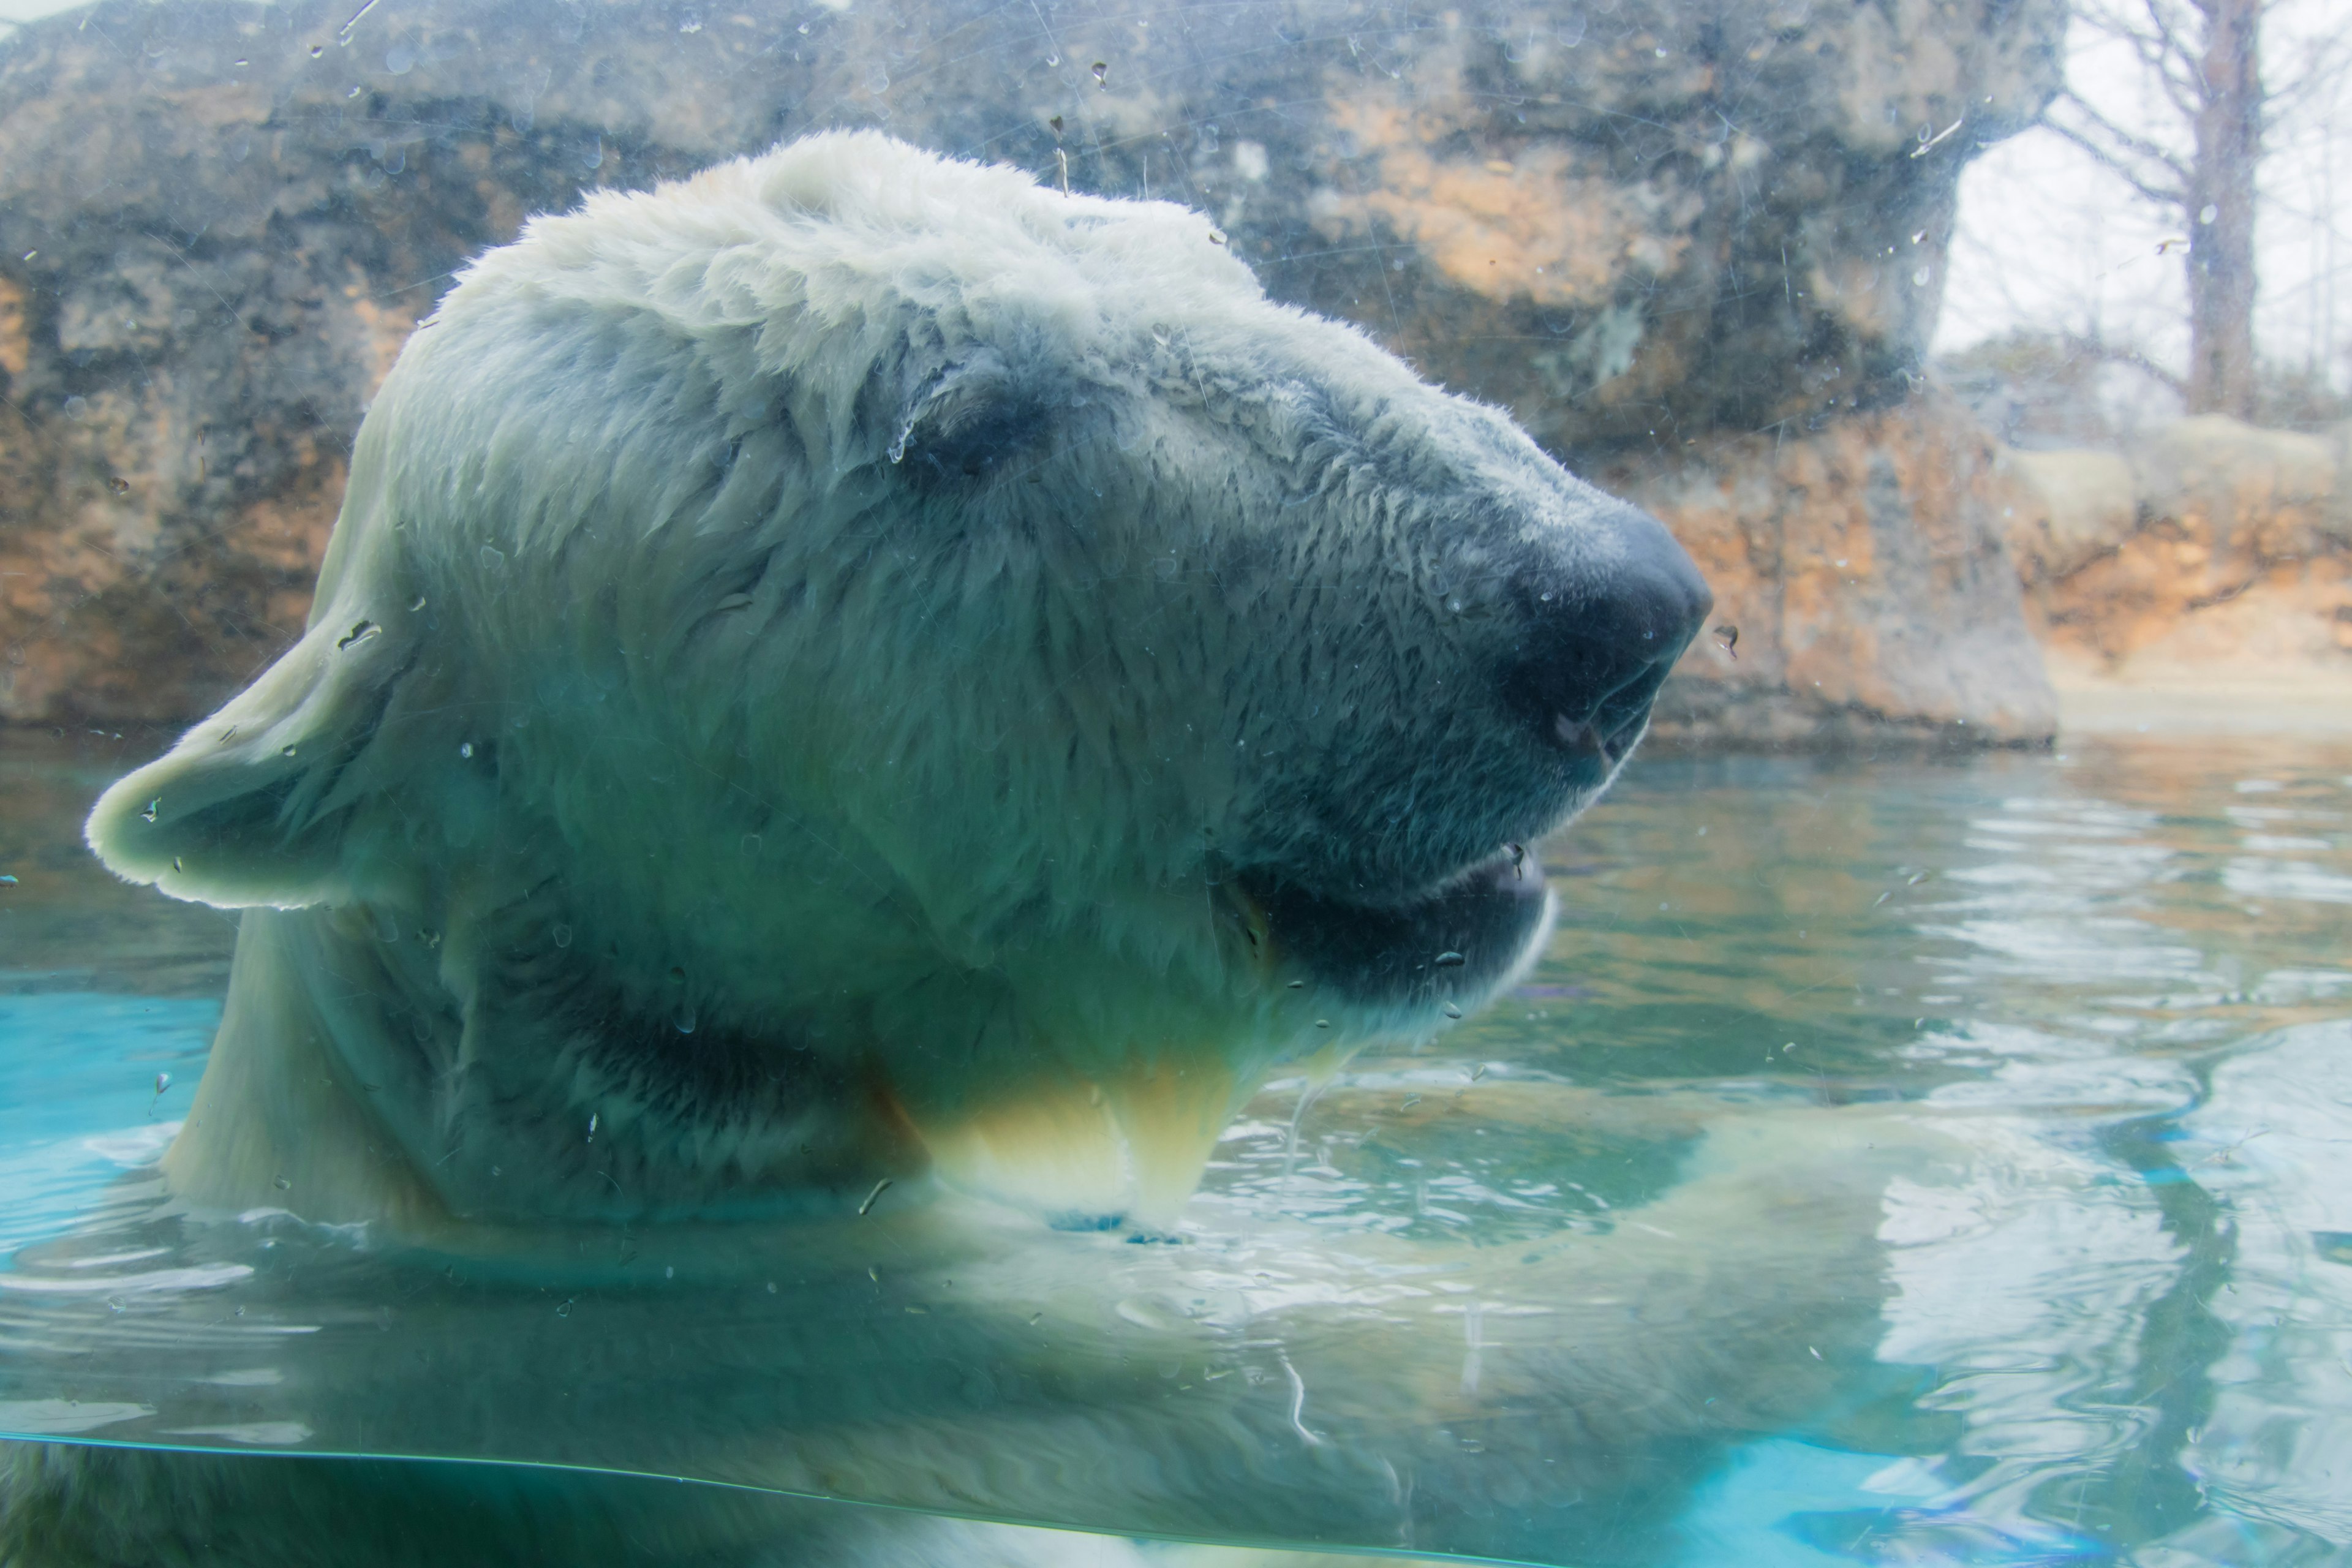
318	49
1920	278
1450	959
284	750
1299	985
1102	73
563	936
1450	1010
879	1188
691	21
281	1183
493	557
683	1019
420	603
176	864
1729	637
163	1082
563	1307
152	807
115	1303
1322	1023
751	842
1052	59
596	1119
118	484
465	748
2208	213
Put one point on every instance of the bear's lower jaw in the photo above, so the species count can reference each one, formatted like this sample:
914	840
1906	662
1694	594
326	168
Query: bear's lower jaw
1456	946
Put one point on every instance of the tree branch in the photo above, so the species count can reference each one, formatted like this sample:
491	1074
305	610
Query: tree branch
2117	353
2118	163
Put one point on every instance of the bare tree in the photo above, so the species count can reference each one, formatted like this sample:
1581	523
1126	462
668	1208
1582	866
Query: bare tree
2204	58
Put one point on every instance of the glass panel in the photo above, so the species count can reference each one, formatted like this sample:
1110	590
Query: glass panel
921	853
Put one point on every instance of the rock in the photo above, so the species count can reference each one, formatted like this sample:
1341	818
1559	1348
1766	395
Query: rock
1641	227
2071	506
2237	554
1866	575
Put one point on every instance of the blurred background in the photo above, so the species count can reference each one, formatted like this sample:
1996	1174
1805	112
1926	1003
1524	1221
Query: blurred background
1987	354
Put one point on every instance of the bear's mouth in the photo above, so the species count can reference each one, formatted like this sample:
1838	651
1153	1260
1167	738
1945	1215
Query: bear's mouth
1459	943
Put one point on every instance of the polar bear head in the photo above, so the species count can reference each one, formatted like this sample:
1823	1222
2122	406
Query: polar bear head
856	664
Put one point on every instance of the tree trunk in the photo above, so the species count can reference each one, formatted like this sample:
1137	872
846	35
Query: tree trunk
2220	211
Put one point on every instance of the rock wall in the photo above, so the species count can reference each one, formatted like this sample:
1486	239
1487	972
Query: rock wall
2207	546
1862	588
1652	229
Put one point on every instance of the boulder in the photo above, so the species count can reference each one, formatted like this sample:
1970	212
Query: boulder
2071	506
2237	552
1646	227
1864	588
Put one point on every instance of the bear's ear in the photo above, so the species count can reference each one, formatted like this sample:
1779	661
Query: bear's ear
252	806
970	419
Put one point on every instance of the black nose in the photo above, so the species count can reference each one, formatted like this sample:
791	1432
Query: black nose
1599	641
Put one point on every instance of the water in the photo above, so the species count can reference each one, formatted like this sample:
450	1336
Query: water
1907	1161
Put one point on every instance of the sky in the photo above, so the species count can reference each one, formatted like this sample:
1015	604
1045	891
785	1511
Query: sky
2048	240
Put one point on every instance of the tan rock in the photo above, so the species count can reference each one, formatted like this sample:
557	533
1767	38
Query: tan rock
2233	571
1865	572
2071	507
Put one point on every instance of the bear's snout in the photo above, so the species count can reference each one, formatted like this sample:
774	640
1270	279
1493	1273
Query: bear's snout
1598	643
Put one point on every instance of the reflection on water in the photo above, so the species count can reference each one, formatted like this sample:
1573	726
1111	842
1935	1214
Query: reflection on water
1893	1161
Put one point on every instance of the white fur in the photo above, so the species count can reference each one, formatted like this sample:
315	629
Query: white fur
651	619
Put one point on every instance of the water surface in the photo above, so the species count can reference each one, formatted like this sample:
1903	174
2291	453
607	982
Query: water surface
1905	1159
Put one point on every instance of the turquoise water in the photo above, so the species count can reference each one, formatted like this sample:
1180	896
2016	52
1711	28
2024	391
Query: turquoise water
1894	1161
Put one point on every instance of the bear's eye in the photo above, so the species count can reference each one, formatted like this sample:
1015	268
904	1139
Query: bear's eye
974	420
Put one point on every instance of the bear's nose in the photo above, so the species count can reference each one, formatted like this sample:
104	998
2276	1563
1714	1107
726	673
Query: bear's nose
1599	642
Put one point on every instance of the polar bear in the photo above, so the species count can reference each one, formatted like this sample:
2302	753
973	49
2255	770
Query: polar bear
860	684
858	667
